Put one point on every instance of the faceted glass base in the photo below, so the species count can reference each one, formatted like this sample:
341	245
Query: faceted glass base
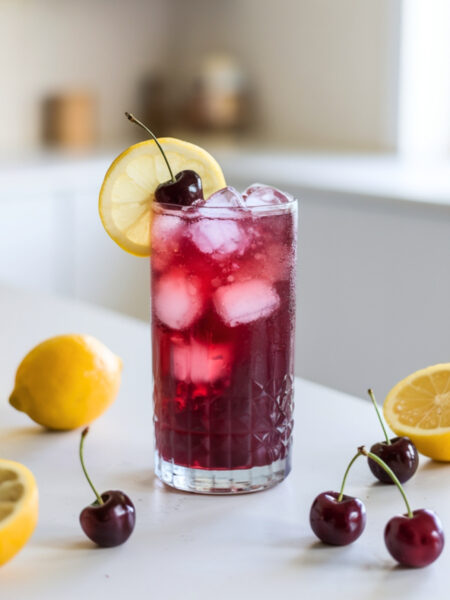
237	481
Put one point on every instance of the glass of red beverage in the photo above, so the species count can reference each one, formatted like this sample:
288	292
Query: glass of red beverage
223	321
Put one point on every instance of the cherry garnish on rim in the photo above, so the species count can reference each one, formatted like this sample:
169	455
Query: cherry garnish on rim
415	539
337	519
110	520
181	189
399	453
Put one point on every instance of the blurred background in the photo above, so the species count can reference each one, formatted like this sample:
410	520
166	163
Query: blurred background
344	103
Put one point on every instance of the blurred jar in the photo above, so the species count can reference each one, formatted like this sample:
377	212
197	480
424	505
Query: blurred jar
218	101
69	120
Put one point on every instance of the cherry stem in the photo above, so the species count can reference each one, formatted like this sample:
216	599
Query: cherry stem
350	464
375	405
391	474
133	119
83	435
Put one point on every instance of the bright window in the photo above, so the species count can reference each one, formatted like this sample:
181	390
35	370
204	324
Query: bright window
424	93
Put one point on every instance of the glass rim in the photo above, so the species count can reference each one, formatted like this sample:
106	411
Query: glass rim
209	211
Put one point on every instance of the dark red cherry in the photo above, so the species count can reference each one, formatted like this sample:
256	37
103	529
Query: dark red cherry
110	520
337	523
186	188
111	523
181	189
415	541
400	455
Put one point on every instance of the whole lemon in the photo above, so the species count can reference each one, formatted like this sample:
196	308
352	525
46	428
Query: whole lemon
67	381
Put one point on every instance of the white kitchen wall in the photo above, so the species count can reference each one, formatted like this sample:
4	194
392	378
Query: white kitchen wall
51	45
53	240
102	272
374	290
324	72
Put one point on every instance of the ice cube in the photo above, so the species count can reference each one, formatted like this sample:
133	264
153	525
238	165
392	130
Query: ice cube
219	237
200	363
223	203
246	301
259	194
178	299
166	232
227	197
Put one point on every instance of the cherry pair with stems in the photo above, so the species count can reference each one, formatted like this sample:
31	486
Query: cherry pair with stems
414	539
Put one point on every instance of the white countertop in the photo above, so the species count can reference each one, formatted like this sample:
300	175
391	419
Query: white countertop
197	547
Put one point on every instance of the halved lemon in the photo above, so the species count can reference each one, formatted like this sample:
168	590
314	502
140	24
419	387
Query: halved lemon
419	407
18	508
128	189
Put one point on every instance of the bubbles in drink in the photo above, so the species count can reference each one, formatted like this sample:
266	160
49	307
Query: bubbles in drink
200	363
246	301
270	261
278	267
178	299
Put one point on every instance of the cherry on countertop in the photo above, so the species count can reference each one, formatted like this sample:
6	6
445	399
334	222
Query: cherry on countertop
415	541
110	520
337	522
400	455
111	523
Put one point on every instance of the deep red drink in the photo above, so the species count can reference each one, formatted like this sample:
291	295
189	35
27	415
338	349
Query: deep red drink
223	314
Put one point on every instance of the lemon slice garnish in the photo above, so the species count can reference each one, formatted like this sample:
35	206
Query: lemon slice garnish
128	189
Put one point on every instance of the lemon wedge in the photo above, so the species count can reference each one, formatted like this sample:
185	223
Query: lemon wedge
128	189
18	508
419	407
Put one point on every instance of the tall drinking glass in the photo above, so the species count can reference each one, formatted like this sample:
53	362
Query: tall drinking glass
223	320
